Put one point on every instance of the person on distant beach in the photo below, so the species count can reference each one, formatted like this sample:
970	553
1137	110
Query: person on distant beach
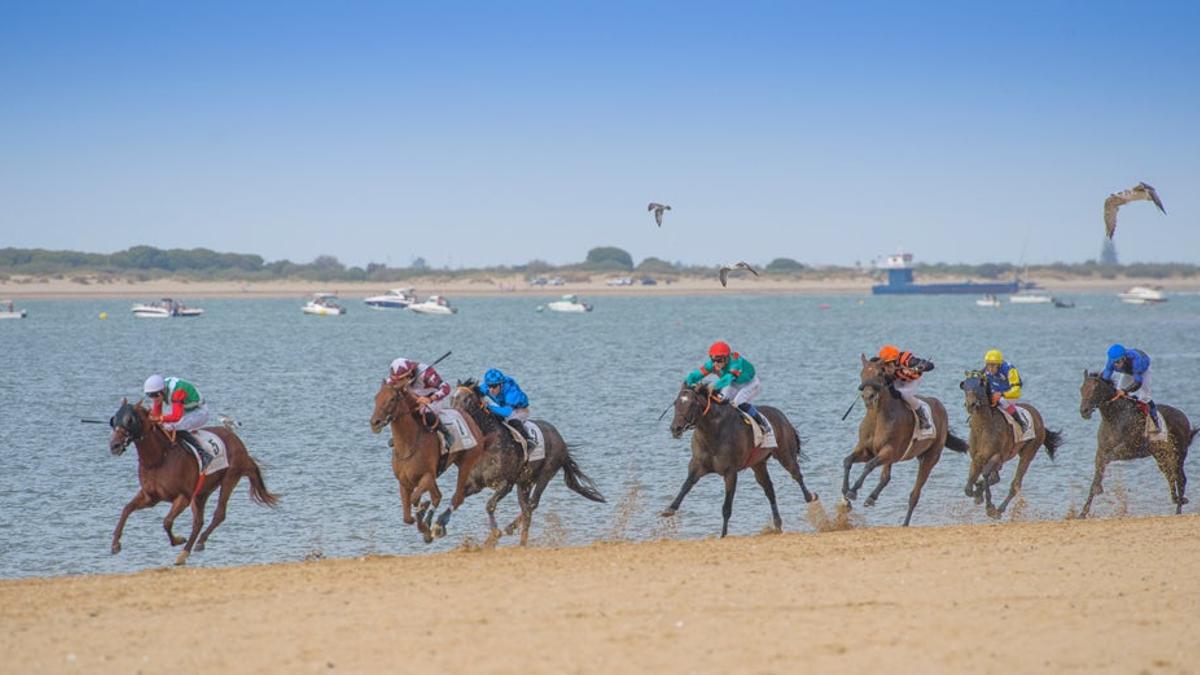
904	371
506	401
431	390
1004	382
737	382
1132	366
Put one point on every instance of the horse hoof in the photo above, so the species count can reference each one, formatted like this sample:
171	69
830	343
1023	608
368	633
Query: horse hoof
496	533
510	530
439	531
994	513
116	548
667	514
846	504
978	499
812	497
1183	500
177	541
870	501
199	547
181	558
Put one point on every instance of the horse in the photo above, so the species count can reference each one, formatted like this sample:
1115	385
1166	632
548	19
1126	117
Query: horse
992	443
723	443
1122	435
168	473
885	436
417	458
503	465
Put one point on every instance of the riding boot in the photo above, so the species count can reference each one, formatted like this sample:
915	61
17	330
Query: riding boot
446	435
186	437
519	426
755	415
923	419
1154	418
1016	415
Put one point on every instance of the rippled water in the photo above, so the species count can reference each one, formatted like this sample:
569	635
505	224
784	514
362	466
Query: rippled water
302	386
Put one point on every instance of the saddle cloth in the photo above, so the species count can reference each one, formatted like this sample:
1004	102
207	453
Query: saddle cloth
463	438
920	434
537	451
214	448
1018	435
1154	435
763	438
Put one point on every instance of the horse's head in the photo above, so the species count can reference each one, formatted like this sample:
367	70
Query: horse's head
392	399
690	405
977	392
466	394
1094	391
128	425
872	380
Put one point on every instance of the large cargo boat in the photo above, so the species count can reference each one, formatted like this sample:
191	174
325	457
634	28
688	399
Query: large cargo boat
900	281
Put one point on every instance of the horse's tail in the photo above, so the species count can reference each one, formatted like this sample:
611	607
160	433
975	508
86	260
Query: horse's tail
258	487
955	443
1192	437
1054	441
579	481
800	456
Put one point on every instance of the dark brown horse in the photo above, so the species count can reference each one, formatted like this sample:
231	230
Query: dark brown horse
992	443
503	464
169	473
417	458
1122	435
885	436
723	443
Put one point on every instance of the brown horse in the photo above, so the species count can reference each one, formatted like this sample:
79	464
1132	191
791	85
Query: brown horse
417	458
992	443
169	473
723	443
1122	435
885	437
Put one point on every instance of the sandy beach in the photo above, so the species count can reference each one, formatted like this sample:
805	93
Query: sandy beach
1115	595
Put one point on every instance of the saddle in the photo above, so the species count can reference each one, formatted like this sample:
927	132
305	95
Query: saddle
1018	435
763	437
206	447
537	450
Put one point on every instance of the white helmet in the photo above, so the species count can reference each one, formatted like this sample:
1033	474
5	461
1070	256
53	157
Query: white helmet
154	383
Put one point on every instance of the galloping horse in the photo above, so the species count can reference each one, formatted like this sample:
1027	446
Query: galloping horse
992	443
885	436
503	464
1122	435
723	443
417	458
169	473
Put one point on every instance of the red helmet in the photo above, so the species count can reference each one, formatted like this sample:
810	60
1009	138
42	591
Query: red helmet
889	353
719	348
401	368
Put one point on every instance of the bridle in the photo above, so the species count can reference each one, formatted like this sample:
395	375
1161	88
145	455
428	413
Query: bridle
691	419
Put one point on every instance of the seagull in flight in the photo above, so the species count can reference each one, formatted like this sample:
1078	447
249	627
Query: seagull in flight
658	211
739	265
1118	199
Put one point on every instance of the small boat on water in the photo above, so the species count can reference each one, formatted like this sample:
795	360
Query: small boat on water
570	304
396	298
7	311
988	301
1143	295
1063	305
1030	298
323	304
435	304
164	309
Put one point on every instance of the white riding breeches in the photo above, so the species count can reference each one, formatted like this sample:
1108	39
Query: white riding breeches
738	394
518	414
908	391
1122	380
191	420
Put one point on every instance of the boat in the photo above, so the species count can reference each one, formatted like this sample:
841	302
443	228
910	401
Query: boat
10	312
988	301
1030	297
396	298
323	304
435	304
1063	305
1143	295
900	281
165	309
570	304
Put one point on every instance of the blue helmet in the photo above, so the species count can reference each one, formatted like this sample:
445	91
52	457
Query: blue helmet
1115	352
493	377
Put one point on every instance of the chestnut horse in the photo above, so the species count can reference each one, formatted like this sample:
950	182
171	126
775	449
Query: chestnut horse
169	473
417	458
885	436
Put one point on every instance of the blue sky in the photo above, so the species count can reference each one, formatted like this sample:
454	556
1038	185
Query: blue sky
495	133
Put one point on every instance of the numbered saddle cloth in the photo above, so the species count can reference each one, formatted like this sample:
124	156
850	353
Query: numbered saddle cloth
212	451
463	438
763	438
1018	435
533	451
920	433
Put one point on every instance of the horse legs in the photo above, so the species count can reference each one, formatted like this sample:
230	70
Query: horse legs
526	514
497	494
406	503
849	461
764	479
792	465
1015	486
928	460
177	506
1097	487
991	467
140	501
974	487
227	487
871	464
460	491
727	507
428	483
885	477
693	475
1166	465
197	526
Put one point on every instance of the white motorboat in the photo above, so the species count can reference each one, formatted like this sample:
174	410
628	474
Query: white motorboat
1030	298
396	298
435	304
570	304
323	304
1143	295
10	312
988	301
165	309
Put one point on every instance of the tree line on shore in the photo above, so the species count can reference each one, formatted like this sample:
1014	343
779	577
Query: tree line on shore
143	263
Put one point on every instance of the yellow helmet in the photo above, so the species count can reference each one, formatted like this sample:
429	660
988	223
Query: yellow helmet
993	356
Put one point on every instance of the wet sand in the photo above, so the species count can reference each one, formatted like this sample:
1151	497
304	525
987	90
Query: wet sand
1119	595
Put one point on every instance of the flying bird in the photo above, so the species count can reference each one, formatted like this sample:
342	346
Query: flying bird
1118	199
658	211
739	265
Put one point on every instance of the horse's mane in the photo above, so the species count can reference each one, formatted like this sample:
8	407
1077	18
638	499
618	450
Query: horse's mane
469	383
486	421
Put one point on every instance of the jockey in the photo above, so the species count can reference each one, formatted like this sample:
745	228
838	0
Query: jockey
1133	367
186	413
506	401
1005	384
429	388
736	382
904	371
